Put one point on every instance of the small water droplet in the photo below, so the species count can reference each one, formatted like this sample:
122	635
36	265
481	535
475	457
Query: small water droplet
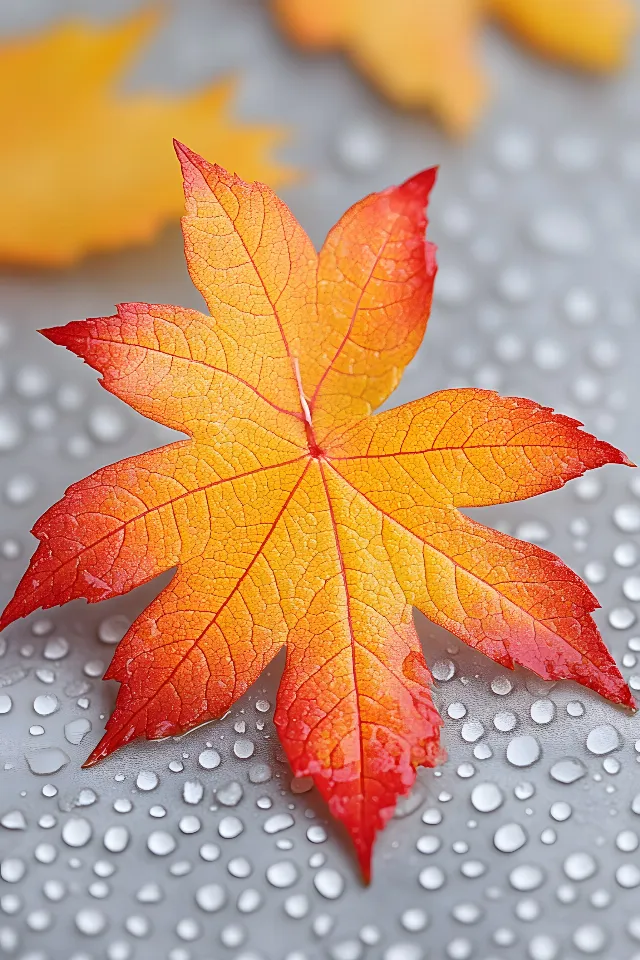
509	838
230	827
501	685
20	489
297	906
106	425
56	648
230	794
560	231
486	797
6	703
149	893
471	731
77	832
90	922
14	820
278	822
523	751
282	874
568	770
505	721
579	866
457	711
589	938
431	878
192	791
116	839
112	629
628	876
161	843
210	852
443	670
209	759
76	730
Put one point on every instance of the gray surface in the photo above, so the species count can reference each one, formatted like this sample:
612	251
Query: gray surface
541	202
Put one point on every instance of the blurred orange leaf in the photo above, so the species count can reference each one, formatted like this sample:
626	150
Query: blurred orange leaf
85	166
424	53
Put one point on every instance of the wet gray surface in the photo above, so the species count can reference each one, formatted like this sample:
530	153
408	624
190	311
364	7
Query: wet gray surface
524	844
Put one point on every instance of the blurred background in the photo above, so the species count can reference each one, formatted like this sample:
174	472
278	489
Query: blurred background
525	843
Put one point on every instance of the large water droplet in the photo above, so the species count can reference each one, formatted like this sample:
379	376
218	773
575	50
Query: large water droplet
329	883
46	760
161	843
603	739
486	797
77	832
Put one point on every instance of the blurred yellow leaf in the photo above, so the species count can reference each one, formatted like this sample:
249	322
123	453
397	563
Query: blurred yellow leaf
424	53
85	166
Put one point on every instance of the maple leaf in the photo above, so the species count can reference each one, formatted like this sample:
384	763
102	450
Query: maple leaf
297	518
424	53
86	166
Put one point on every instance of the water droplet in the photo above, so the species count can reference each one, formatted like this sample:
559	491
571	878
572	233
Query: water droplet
249	900
627	841
210	852
161	843
230	827
147	780
472	869
523	751
466	913
282	874
14	820
149	893
54	890
471	731
457	711
515	285
240	868
278	822
230	794
533	531
589	938
11	433
6	703
20	489
77	832
189	824
509	838
575	708
486	797
543	711
501	686
414	920
301	785
628	876
188	929
76	730
192	791
296	906
361	147
603	739
516	150
209	759
232	935
316	834
243	748
443	670
579	866
112	629
116	839
106	425
621	618
137	926
560	231
568	770
46	760
560	810
548	355
90	922
505	721
431	878
260	773
626	517
431	816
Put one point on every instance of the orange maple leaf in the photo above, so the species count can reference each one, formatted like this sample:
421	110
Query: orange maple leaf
85	166
297	518
424	53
